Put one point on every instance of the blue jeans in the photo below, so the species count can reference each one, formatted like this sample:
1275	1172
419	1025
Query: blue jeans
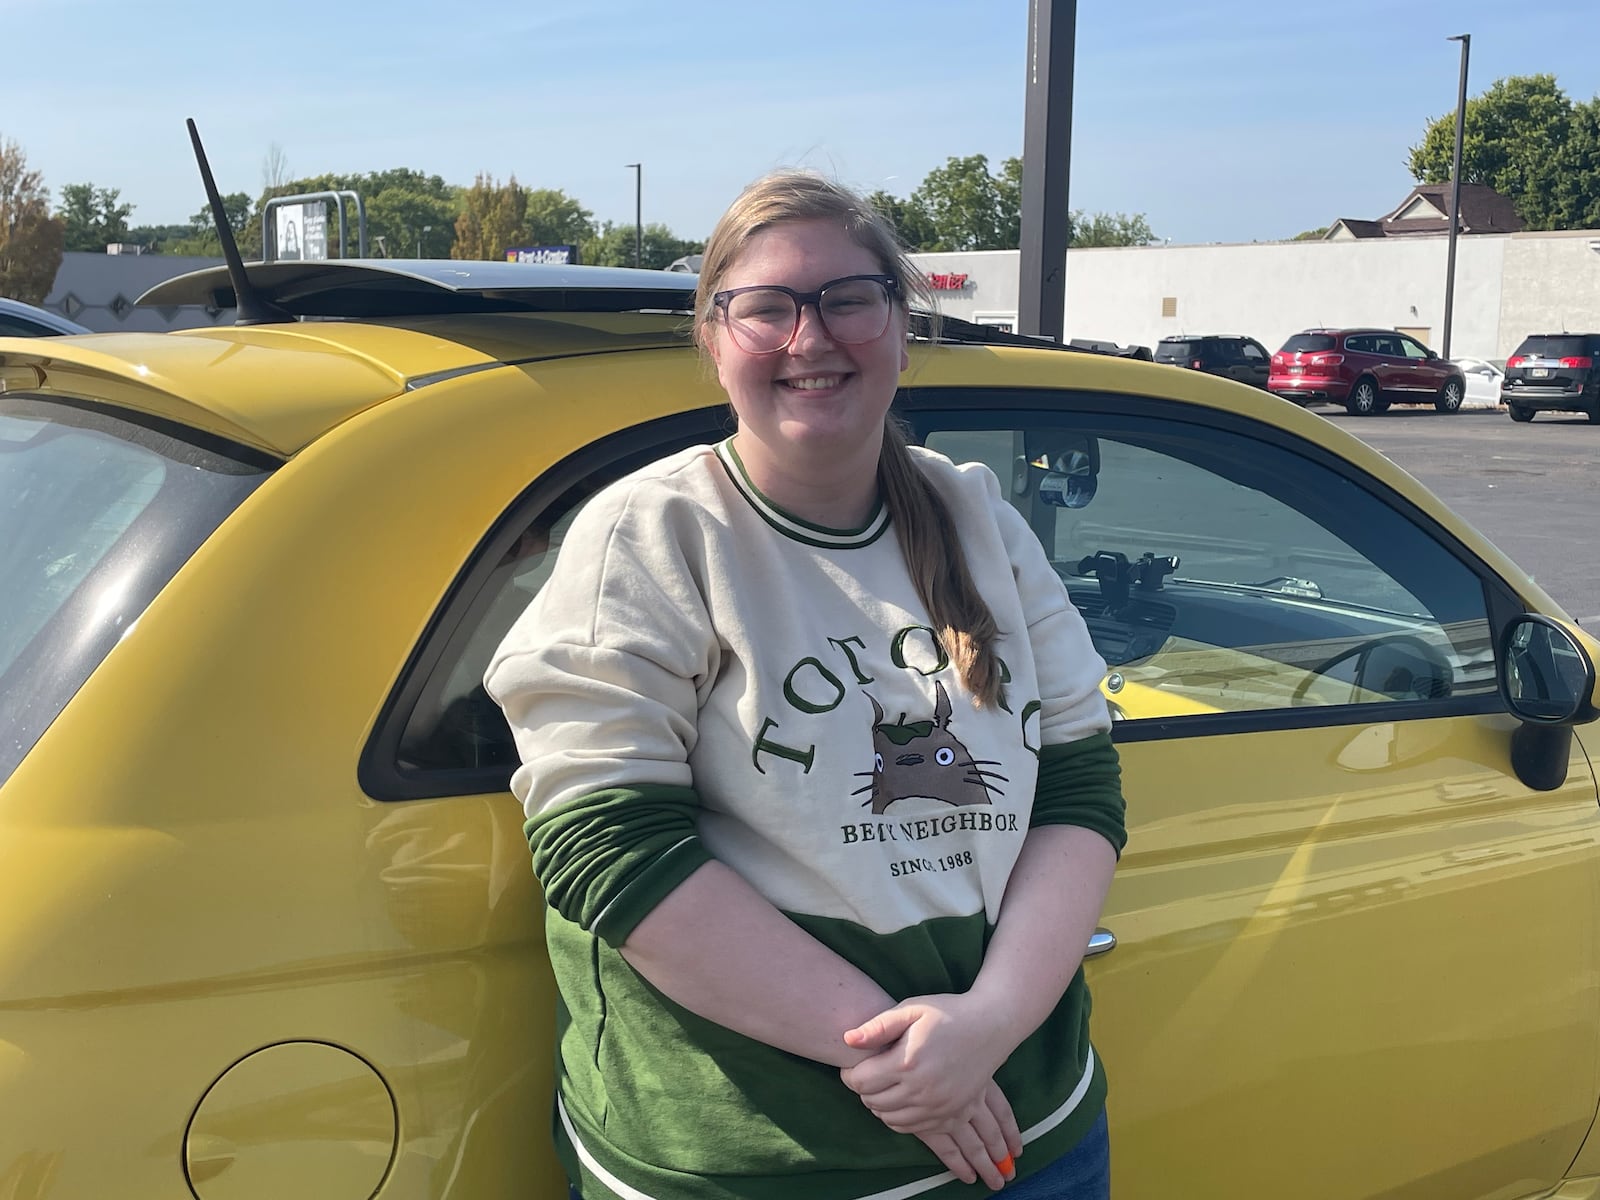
1082	1173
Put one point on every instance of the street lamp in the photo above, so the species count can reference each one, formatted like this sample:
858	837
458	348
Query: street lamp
638	212
1455	190
425	229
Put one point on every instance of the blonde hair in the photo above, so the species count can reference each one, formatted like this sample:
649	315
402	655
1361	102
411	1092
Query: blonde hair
922	520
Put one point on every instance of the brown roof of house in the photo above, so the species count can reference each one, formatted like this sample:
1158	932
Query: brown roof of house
1483	210
1359	228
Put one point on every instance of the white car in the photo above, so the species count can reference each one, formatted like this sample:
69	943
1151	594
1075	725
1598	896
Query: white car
1483	382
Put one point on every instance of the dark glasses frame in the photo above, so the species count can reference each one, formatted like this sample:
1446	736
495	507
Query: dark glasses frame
721	300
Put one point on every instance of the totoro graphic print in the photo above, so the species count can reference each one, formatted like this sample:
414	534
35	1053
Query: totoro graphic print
923	758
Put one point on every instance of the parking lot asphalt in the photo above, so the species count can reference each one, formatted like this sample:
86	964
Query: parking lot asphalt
1533	490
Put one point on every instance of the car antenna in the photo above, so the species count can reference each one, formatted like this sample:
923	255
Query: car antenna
252	307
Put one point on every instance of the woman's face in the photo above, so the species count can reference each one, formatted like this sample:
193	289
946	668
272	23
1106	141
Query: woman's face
817	403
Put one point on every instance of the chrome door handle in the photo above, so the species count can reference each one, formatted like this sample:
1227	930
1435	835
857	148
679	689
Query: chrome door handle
1100	942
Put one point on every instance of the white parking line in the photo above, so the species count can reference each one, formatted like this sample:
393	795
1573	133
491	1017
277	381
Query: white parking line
1588	622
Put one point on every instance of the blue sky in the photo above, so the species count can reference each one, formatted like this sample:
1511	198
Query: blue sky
1227	120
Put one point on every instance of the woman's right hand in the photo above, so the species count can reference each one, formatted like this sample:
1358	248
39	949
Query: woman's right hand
975	1149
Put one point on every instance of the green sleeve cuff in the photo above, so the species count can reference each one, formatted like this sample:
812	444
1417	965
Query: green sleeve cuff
607	858
1080	783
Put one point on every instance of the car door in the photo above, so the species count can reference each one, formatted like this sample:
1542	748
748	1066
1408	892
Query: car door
1390	364
1341	923
1429	372
1255	361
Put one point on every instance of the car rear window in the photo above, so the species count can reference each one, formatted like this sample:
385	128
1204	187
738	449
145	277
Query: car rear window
97	513
1555	346
1302	342
1174	351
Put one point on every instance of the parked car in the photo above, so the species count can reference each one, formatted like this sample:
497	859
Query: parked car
1230	355
270	927
1553	372
28	320
1366	370
1483	379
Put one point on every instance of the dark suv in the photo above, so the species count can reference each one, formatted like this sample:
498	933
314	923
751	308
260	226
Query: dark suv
1366	370
1553	372
1230	355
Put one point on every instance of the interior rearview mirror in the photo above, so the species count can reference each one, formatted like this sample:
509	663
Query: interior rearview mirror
1065	465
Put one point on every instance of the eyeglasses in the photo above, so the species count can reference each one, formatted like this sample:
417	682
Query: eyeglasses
764	319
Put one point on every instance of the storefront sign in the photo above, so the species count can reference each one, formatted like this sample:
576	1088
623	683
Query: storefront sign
560	256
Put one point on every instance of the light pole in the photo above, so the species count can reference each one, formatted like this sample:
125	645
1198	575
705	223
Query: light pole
1047	151
425	229
638	212
1455	190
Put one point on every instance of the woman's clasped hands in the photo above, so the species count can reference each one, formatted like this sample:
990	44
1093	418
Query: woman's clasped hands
930	1072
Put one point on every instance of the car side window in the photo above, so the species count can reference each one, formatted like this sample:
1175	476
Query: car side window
1223	573
18	327
1413	349
1252	352
1360	344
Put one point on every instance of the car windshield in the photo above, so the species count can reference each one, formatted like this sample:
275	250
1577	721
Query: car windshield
96	516
1173	351
1551	347
1302	342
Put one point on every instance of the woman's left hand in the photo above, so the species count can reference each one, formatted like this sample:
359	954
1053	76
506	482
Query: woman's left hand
935	1056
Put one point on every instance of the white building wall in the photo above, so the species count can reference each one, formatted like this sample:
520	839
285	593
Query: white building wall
1552	284
1507	286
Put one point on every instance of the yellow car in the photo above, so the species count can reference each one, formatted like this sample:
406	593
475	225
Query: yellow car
267	923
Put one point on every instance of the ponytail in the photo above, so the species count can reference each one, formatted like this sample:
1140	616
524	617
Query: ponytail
961	619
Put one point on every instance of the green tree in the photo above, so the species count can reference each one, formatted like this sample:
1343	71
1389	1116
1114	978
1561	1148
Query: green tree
1311	235
93	217
199	236
969	208
1108	229
160	239
1577	191
493	217
613	246
31	239
1524	138
554	218
911	224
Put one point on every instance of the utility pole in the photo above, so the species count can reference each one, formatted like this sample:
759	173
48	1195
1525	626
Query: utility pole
1046	172
1455	190
638	213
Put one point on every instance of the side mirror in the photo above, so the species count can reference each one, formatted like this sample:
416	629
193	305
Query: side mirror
1431	353
1547	680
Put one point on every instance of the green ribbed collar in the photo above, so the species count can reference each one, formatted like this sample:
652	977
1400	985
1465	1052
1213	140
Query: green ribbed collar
795	527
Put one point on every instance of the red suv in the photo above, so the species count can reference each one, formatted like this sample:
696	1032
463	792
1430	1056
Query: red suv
1366	370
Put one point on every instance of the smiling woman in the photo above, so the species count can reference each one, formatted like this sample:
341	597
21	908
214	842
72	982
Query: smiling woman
703	693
